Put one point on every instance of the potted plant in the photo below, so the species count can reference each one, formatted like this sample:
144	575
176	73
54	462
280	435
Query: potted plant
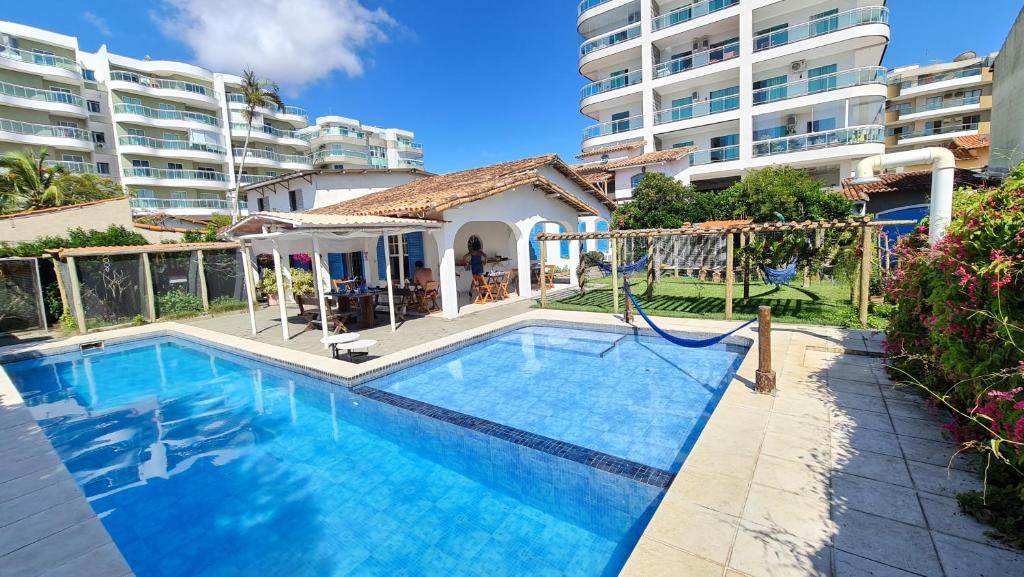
268	286
302	286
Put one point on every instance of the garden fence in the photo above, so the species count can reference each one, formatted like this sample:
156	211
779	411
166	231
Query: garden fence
112	289
21	295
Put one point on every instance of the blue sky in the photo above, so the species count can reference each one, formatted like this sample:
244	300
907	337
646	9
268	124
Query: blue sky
477	81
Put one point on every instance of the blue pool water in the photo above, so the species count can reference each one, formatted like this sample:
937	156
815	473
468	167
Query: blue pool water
204	463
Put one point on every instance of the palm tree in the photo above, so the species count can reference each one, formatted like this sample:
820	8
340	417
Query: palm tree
34	183
257	94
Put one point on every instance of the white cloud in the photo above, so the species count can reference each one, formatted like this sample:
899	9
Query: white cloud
98	22
294	43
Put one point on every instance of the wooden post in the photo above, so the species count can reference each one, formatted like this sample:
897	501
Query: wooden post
819	241
615	276
865	272
764	376
543	274
729	275
76	292
147	275
744	241
203	291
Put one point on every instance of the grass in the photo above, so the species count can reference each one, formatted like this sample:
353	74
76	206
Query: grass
824	303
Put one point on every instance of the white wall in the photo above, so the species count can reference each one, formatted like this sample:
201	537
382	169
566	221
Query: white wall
327	189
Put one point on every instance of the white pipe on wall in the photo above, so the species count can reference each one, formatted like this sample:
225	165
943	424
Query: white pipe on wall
943	172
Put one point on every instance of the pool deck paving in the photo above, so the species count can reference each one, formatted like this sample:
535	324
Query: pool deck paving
837	474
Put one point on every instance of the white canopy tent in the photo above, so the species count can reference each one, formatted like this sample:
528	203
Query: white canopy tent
293	229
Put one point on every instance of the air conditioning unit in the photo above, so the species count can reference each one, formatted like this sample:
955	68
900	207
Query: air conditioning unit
701	44
798	65
695	96
790	125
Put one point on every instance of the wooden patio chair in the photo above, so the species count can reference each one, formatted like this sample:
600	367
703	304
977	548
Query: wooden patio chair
501	285
428	294
484	289
333	317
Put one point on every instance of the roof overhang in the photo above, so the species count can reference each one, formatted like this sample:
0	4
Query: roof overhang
268	224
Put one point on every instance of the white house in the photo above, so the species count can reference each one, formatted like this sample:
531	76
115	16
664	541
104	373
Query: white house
308	189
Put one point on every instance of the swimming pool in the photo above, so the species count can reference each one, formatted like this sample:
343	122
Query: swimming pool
188	452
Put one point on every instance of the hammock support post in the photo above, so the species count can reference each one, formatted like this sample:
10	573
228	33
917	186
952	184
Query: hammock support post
730	275
865	273
764	377
543	274
615	276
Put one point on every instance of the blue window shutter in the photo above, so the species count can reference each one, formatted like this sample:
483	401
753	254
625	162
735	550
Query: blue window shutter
381	272
563	246
336	265
602	244
582	227
534	245
415	248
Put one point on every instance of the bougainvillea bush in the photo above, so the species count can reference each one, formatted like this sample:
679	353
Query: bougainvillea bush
958	334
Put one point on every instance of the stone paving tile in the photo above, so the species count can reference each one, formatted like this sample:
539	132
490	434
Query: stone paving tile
763	552
855	440
805	515
849	565
917	428
850	400
905	393
655	559
963	558
789	425
799	449
694	529
856	387
717	492
886	541
936	453
792	476
944	515
878	498
855	418
873	466
917	410
941	480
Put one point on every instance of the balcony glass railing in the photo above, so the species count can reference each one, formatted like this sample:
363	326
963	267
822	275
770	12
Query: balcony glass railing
933	78
824	83
611	39
337	131
174	174
12	53
408	144
253	178
687	13
697	109
410	162
609	84
322	155
588	4
161	114
822	26
41	95
164	83
170	144
240	129
613	127
697	60
712	155
75	167
238	98
937	105
824	139
270	155
185	203
939	130
30	129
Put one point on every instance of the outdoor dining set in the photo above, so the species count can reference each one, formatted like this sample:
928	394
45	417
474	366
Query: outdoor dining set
353	302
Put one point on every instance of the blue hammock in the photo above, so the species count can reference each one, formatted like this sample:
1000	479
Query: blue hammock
780	276
692	343
639	265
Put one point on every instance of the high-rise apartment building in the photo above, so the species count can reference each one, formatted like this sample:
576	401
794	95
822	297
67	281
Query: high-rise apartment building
172	133
731	85
947	104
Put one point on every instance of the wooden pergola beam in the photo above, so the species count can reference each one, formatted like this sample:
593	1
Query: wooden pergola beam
691	230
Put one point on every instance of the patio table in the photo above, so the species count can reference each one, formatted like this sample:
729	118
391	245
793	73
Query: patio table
366	303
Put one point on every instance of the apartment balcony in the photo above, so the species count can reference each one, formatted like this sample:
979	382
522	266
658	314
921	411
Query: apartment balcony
585	5
715	155
613	128
340	156
246	179
147	176
56	101
947	107
62	137
822	28
291	114
170	148
266	133
617	37
176	90
256	157
690	12
868	134
940	134
708	109
336	134
136	113
47	65
410	163
609	86
697	60
185	206
409	147
75	167
866	76
940	82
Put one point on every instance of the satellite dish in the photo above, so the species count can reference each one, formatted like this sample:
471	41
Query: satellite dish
968	55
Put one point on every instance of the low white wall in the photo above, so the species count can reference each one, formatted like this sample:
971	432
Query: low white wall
90	216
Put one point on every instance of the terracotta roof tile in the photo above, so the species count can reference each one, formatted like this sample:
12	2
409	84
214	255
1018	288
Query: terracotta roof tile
913	181
40	211
724	223
650	158
141	248
607	148
972	141
428	197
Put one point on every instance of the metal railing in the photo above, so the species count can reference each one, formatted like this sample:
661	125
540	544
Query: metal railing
942	105
619	36
697	109
238	98
822	26
12	53
40	94
240	129
824	139
410	162
270	155
585	5
253	178
185	203
72	166
174	174
321	155
613	127
336	131
170	144
933	78
161	114
712	155
612	83
164	83
697	60
410	145
687	13
823	83
937	131
31	129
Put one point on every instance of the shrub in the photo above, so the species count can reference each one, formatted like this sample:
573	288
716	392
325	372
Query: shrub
302	282
226	304
957	332
68	323
178	303
268	282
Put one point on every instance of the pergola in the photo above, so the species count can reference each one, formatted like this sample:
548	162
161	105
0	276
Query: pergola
276	228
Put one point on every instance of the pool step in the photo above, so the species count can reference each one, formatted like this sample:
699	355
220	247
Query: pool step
588	347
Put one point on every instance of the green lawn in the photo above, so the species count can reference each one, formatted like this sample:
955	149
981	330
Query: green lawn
824	303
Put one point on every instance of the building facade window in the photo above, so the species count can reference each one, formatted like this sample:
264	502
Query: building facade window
294	200
94	106
103	168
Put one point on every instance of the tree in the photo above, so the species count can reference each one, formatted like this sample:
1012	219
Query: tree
659	201
209	234
256	93
788	193
28	183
